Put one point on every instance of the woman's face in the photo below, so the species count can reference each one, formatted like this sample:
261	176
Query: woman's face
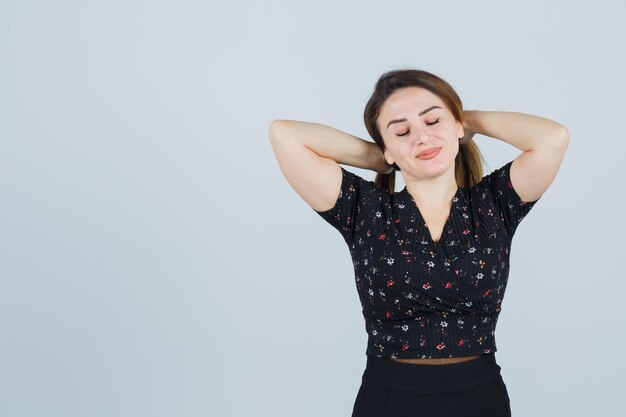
413	120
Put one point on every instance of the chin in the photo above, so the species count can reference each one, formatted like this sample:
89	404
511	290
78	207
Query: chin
433	167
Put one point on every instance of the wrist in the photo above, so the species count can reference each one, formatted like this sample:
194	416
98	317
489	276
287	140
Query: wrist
377	160
470	121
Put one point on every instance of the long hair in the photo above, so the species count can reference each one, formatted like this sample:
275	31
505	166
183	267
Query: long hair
468	168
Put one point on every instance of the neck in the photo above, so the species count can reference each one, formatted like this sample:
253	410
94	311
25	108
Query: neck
432	193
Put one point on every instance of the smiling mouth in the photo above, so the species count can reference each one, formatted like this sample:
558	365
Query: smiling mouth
431	153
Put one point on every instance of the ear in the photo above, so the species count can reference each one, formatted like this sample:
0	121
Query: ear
388	157
459	130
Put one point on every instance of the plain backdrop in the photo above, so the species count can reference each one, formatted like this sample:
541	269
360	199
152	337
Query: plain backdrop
155	262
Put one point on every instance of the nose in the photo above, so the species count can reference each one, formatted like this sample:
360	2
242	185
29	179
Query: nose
422	138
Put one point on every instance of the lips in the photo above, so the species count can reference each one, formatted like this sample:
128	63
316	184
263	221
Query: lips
428	153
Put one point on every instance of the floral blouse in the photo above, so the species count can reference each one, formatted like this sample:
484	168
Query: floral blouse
421	298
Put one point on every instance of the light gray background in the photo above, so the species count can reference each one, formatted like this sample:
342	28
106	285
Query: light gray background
155	262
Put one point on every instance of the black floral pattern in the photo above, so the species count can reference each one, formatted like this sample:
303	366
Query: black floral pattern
421	298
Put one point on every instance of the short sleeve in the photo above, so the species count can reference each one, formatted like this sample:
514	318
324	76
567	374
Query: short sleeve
512	208
342	216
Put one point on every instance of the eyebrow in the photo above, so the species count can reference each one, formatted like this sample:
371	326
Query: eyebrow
423	112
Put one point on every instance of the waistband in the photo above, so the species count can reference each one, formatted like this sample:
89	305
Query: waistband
430	378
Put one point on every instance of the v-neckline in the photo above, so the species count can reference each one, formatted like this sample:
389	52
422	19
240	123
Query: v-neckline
424	225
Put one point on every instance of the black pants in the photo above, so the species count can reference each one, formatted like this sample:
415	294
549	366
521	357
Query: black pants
472	388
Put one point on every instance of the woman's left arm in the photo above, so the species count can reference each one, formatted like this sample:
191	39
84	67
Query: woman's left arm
542	141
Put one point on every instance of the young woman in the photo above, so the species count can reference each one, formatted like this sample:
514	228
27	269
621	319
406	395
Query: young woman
431	261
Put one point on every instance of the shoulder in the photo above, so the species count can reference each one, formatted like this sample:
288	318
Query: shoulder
357	203
495	192
357	190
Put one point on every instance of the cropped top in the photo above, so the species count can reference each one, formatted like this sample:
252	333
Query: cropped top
426	299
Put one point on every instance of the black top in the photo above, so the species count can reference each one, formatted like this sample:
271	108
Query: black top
426	299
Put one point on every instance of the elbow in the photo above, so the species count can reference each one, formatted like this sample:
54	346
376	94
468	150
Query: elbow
559	138
275	128
563	137
554	141
563	131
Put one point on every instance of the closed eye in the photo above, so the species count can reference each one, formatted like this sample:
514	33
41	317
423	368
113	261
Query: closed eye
429	124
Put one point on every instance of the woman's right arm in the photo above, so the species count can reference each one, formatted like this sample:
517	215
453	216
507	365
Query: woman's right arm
309	153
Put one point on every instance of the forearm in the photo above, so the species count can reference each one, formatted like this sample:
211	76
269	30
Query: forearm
524	131
329	142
